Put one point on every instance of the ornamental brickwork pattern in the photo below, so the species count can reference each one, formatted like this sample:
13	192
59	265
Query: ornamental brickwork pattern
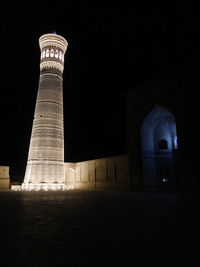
46	151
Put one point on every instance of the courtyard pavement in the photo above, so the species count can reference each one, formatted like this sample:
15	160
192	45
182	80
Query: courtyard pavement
99	228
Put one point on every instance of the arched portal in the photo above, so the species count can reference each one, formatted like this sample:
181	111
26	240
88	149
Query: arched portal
158	146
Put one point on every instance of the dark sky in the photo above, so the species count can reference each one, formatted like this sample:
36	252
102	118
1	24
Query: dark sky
111	50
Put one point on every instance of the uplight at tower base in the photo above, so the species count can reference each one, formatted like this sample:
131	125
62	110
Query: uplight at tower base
42	187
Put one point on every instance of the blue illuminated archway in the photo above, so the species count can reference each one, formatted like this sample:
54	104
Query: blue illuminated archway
158	143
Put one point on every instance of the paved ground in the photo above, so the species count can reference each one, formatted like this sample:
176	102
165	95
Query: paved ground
99	228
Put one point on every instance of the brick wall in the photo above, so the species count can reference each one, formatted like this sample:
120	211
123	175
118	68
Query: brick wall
105	173
4	177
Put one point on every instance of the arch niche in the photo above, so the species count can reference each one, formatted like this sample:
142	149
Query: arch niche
158	148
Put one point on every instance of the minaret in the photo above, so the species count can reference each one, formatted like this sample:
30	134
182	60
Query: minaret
45	165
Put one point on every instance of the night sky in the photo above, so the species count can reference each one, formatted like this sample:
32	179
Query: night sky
111	50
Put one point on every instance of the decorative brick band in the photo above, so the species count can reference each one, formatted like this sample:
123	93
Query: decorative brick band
54	40
51	64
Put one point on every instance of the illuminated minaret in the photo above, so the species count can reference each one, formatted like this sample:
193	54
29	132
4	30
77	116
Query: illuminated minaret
45	165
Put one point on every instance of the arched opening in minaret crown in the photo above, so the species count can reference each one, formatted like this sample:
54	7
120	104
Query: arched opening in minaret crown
158	148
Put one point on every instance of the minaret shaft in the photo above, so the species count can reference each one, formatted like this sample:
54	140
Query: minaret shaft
45	163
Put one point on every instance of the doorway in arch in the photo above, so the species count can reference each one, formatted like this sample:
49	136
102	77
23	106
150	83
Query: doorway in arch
159	148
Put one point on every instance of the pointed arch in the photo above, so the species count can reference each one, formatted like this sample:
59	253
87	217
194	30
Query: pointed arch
158	141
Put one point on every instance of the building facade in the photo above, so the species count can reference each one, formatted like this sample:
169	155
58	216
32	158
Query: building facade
162	132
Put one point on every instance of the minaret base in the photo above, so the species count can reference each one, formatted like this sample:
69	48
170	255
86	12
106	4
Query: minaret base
41	187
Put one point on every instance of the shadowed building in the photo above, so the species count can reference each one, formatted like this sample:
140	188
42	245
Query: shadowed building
162	132
45	165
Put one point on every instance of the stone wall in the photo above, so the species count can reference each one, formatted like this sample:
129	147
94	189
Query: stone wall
4	177
105	173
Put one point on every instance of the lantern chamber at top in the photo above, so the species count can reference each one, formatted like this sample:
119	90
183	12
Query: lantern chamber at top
53	48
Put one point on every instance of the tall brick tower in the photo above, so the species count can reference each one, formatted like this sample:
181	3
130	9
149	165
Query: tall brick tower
45	165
